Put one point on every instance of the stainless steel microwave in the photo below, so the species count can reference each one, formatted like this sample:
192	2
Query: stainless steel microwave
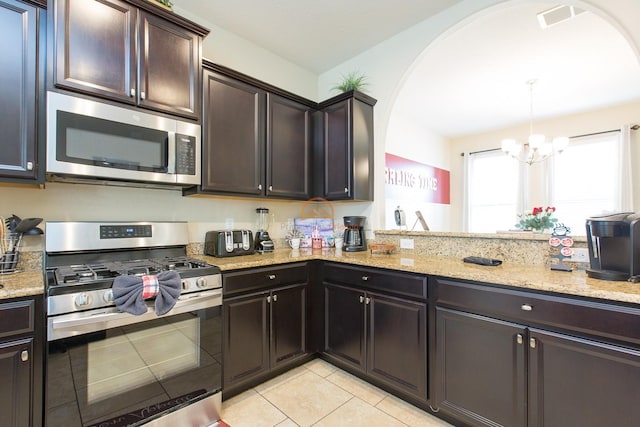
91	139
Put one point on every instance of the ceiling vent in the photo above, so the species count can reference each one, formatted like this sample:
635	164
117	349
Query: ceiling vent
557	15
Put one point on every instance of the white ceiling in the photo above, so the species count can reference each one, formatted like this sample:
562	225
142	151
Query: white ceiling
318	34
470	81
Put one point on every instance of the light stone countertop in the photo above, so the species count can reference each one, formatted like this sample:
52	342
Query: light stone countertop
534	277
21	284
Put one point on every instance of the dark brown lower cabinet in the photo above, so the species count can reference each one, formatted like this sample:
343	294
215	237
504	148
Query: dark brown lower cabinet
496	373
481	372
21	363
575	382
262	331
382	336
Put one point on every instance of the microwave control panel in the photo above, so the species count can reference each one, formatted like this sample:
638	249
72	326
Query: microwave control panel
185	154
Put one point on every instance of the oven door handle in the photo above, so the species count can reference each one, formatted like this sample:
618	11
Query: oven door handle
82	323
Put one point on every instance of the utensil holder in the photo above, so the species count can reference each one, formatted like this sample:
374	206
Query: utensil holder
10	245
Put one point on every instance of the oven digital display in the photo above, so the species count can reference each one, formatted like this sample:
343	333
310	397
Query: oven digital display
124	231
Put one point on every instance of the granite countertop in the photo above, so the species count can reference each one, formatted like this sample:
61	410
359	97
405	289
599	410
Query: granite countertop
21	284
535	277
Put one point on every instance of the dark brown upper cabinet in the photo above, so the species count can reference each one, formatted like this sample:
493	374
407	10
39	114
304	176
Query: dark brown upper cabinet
343	145
21	83
129	51
256	138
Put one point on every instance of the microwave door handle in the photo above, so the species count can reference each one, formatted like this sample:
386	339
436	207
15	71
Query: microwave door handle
171	153
61	327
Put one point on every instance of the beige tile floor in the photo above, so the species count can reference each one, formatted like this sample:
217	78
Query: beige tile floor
319	394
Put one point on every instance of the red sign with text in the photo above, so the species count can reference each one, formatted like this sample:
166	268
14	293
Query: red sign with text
409	180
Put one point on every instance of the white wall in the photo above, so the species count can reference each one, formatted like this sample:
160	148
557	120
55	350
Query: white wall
577	124
389	63
408	139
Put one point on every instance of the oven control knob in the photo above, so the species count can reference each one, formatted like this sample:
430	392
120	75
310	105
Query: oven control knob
82	300
201	282
108	296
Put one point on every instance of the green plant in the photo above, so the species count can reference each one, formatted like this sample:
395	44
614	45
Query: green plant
355	80
167	3
538	219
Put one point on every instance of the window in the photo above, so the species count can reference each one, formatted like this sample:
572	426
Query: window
585	180
492	184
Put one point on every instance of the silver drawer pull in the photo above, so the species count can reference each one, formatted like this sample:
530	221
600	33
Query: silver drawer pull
526	307
532	342
519	339
269	299
271	276
361	299
132	92
367	300
24	356
275	298
365	278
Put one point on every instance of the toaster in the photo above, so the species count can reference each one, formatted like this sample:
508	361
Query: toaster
228	243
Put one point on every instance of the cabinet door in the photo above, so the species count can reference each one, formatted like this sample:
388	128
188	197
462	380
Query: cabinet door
397	351
233	136
18	89
95	48
345	332
288	148
245	337
480	369
15	387
337	151
580	383
169	65
288	324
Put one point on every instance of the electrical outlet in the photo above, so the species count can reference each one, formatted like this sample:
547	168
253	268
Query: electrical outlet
579	255
406	243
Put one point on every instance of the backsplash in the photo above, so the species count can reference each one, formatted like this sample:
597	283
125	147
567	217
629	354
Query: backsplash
517	247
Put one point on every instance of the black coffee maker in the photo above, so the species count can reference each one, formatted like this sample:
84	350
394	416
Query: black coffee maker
614	246
354	239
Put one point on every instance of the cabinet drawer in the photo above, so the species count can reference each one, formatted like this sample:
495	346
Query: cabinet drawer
598	319
406	284
16	318
263	278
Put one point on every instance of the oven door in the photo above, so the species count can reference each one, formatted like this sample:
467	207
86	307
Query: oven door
112	368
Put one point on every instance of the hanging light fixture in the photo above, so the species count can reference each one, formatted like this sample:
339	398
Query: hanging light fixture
536	149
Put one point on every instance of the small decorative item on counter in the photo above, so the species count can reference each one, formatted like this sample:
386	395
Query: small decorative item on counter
292	235
561	244
316	240
539	219
380	248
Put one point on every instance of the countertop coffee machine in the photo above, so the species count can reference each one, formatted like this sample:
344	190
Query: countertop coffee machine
614	246
354	238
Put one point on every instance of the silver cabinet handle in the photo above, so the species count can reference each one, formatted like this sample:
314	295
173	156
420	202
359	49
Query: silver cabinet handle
365	278
519	338
259	186
24	356
346	190
271	276
532	342
269	299
275	298
132	92
367	300
526	307
361	299
29	166
142	96
271	188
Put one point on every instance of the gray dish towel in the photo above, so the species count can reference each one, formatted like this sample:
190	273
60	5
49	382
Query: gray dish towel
128	292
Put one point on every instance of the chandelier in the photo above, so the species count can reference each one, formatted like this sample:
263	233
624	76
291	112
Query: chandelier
537	148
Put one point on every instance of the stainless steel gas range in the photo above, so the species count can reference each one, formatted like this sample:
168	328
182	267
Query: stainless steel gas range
133	326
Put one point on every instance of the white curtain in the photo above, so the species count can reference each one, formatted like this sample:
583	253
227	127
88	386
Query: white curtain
465	192
625	176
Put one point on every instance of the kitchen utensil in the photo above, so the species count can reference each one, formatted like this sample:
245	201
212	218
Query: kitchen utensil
27	224
262	240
